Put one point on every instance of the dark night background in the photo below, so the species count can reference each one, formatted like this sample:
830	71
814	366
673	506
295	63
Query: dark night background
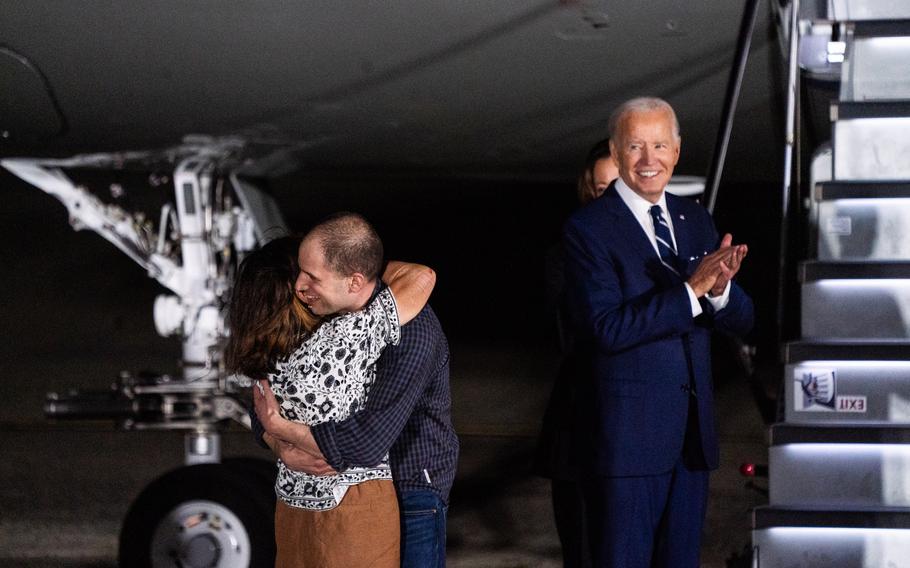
486	239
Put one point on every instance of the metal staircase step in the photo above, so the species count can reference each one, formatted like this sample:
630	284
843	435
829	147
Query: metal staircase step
824	538
871	140
877	63
862	220
830	548
854	467
848	384
840	475
855	300
857	10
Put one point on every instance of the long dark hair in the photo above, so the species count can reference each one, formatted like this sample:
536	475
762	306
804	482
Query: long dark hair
266	319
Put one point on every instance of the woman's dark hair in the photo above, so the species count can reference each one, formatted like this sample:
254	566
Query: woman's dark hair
266	319
586	190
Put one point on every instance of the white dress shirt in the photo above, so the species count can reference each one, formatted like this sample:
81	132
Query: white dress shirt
641	210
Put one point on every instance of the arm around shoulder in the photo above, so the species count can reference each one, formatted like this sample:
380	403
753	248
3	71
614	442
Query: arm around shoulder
411	285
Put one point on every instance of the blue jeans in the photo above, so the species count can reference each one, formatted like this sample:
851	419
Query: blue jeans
423	530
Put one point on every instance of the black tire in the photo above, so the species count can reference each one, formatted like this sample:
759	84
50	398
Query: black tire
264	470
209	515
260	475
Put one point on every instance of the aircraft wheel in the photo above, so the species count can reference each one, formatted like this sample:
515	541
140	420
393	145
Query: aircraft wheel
264	470
202	516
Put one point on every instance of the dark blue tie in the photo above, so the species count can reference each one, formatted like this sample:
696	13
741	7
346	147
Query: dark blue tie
665	246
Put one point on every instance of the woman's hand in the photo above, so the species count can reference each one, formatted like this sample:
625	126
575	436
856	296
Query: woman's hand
279	427
297	459
269	412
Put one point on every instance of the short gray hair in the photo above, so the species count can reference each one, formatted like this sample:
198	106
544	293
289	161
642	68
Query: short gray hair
640	104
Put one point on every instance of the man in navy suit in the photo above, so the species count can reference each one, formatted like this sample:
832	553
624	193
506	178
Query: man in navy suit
647	280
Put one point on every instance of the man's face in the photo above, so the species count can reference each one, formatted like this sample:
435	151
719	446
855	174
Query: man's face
322	289
646	152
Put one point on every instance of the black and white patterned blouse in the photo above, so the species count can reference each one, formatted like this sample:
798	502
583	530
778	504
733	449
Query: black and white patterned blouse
328	378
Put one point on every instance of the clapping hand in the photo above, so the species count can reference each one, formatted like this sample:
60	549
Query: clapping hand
718	268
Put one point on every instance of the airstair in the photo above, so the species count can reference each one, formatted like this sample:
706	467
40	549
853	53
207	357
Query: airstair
839	462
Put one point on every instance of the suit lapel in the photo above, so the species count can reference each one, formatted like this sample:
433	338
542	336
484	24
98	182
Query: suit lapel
680	232
629	230
627	225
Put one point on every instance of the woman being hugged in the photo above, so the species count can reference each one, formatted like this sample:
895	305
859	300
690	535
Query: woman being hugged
320	371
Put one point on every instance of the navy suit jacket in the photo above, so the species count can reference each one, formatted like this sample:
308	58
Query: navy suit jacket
634	325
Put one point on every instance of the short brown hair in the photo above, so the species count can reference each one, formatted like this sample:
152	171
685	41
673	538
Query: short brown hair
350	244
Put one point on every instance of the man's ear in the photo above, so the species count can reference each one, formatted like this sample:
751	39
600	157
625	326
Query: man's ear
357	282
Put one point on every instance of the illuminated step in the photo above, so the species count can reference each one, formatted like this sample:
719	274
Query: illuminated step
863	220
877	63
847	383
839	467
871	140
824	538
855	300
853	10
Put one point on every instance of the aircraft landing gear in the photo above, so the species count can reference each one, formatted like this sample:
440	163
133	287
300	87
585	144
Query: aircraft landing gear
204	516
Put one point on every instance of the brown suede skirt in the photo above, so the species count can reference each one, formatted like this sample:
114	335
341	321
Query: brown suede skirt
363	531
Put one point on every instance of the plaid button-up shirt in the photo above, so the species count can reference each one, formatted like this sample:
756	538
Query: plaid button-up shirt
407	413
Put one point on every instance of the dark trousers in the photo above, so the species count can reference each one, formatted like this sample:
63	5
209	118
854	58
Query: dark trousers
423	530
647	522
571	525
652	521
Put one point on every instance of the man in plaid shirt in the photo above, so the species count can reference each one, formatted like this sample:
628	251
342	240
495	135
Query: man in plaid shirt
408	415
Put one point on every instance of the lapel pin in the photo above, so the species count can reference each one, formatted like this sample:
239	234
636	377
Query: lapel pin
683	217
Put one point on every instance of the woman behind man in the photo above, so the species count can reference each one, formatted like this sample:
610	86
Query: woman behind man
599	172
322	371
554	449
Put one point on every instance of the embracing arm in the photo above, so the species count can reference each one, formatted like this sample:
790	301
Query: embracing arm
290	441
296	458
411	285
401	377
